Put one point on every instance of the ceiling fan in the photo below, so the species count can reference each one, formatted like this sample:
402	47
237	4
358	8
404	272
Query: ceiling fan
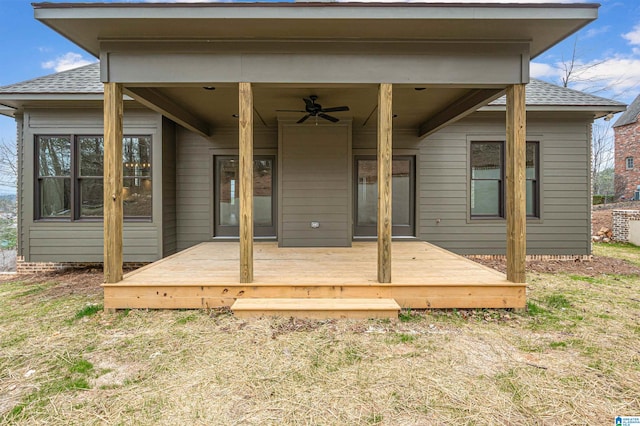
315	110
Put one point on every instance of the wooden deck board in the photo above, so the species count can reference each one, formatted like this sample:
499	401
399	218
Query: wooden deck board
413	263
207	275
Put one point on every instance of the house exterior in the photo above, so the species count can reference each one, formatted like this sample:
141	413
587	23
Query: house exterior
433	178
627	147
306	125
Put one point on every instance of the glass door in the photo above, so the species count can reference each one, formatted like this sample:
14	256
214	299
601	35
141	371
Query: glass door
227	196
366	196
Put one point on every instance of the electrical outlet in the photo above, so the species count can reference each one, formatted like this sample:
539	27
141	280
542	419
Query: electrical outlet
315	225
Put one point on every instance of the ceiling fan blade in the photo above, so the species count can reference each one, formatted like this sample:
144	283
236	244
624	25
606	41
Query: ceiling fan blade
308	102
303	119
336	109
328	117
290	110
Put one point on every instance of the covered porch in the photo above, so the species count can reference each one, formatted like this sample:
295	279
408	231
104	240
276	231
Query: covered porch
260	60
207	276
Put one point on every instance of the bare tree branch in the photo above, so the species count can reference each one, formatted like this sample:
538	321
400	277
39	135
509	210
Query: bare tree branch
8	163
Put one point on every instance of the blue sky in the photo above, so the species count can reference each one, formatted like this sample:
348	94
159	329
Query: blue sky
608	51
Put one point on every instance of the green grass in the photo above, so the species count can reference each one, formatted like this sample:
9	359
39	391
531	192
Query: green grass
402	338
584	278
407	315
187	318
65	376
625	251
31	291
533	309
81	366
557	301
88	311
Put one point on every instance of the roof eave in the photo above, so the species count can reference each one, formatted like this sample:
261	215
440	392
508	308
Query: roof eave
54	14
7	111
19	100
597	110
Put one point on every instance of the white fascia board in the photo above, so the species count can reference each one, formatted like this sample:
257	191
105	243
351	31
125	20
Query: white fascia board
386	11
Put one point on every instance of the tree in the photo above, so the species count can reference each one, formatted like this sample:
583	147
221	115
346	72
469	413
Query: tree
8	165
602	157
8	229
584	76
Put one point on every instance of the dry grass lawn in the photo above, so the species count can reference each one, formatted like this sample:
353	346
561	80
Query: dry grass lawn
572	358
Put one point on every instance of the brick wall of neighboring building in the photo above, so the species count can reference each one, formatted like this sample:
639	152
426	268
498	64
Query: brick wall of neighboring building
621	220
627	144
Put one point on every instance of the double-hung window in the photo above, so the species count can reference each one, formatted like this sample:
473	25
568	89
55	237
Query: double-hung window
487	191
69	181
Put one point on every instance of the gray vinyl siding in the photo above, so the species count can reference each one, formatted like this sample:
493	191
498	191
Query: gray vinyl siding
315	186
186	190
442	185
169	214
82	241
564	225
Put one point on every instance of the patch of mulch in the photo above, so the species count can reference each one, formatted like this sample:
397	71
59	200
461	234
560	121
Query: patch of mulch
598	266
601	219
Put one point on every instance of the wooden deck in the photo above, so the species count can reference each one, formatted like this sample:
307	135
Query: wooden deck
207	275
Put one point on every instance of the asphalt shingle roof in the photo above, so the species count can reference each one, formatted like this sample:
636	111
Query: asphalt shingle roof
630	116
83	80
86	80
541	93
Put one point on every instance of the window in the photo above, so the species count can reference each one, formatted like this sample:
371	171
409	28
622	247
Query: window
629	163
533	191
54	177
402	193
227	196
487	180
69	184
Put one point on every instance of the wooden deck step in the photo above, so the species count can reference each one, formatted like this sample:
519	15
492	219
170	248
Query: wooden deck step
316	308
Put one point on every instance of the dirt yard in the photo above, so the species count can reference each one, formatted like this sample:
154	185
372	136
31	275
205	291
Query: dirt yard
601	219
571	358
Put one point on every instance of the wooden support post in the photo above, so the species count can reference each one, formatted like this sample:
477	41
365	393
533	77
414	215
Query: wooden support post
516	189
385	117
113	182
246	182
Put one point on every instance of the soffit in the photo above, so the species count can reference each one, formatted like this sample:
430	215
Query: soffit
89	24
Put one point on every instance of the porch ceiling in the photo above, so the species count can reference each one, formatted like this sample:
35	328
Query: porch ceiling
217	107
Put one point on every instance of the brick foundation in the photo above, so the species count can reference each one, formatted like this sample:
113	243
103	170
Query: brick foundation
23	267
621	220
538	257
